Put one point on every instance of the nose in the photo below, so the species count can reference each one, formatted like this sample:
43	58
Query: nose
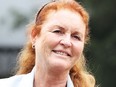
66	41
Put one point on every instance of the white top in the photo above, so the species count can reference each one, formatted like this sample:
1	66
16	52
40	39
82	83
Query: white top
24	80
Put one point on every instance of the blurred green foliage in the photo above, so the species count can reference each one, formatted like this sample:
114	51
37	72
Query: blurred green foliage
101	53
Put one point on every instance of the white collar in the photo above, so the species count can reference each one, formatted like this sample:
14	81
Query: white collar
69	81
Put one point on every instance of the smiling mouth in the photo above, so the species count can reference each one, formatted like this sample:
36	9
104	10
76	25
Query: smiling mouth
61	53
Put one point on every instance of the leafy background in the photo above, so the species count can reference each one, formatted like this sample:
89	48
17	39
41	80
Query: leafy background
101	52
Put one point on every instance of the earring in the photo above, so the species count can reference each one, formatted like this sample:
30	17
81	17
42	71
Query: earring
33	46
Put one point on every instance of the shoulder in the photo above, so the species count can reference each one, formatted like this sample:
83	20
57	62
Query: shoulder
18	80
11	81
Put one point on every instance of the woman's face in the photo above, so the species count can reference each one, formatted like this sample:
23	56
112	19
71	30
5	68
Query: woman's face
61	40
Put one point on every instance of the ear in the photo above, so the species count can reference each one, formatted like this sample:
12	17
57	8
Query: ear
33	35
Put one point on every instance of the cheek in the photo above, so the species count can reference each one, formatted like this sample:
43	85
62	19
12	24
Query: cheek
45	44
78	49
52	41
42	49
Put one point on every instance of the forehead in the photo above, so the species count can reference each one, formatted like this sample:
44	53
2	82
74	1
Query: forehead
65	18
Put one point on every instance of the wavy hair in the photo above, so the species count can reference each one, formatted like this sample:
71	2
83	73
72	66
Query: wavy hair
79	74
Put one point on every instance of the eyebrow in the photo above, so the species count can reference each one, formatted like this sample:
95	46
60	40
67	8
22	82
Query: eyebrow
78	33
57	26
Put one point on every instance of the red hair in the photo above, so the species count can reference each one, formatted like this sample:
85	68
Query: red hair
79	75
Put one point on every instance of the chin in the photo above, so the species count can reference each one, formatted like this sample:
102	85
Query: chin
59	65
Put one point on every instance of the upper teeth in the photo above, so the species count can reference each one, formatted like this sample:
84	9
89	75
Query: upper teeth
62	53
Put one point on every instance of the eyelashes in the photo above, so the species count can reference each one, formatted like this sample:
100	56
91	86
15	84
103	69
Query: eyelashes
77	37
58	31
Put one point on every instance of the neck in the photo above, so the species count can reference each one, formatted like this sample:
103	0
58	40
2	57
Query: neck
45	78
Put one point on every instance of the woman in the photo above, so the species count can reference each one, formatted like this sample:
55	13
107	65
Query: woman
53	55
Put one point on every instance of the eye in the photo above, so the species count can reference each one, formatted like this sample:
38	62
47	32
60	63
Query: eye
57	31
77	37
